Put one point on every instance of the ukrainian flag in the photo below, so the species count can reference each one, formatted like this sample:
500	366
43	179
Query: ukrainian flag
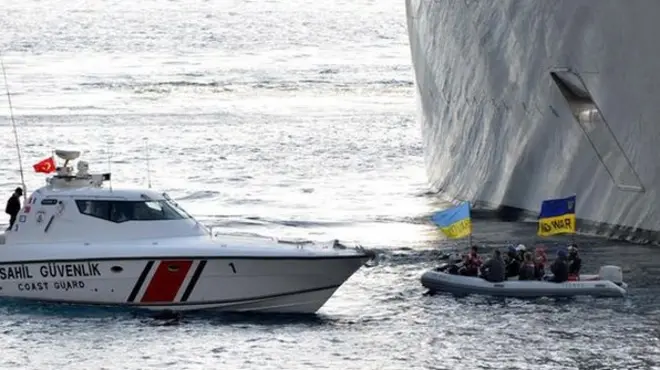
557	216
454	222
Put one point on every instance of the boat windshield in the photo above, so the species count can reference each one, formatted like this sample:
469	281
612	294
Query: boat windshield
176	206
122	211
182	211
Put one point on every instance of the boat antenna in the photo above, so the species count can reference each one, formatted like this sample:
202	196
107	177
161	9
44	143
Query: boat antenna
109	164
13	125
146	149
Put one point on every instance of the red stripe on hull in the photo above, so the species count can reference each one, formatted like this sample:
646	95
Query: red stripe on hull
167	280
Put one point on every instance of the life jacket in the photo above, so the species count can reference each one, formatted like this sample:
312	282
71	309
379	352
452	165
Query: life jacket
473	262
541	259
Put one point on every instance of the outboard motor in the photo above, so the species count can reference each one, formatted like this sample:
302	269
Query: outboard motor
611	273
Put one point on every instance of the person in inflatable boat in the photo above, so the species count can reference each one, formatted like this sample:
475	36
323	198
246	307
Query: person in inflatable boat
494	270
512	262
574	263
521	250
540	260
527	268
471	263
559	267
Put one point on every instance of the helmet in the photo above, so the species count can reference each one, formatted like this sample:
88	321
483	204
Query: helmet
521	248
561	253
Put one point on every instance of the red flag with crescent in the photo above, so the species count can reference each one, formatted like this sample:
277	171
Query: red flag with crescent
45	166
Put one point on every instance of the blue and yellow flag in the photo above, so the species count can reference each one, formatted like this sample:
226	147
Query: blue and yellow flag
557	216
454	222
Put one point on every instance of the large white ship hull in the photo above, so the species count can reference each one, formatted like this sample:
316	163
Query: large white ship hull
525	100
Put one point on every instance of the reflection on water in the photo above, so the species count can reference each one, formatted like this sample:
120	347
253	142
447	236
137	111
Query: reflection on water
379	319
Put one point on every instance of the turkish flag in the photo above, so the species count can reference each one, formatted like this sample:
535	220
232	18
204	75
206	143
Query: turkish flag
45	166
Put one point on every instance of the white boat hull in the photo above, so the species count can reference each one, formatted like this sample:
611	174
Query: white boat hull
438	281
271	284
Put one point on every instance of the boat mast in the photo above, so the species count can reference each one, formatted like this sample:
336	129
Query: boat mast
146	149
13	125
109	162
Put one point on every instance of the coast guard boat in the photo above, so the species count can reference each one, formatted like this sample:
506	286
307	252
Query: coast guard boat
77	242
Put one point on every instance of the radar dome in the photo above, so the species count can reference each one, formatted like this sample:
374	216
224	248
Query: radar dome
68	155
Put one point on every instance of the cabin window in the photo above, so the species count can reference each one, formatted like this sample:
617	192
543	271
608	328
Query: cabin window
122	211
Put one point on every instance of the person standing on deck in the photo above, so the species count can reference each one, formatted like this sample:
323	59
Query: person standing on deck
13	206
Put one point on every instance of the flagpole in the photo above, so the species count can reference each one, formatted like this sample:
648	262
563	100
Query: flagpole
575	211
13	125
470	234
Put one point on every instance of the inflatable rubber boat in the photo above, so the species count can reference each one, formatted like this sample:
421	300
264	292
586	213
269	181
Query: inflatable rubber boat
608	283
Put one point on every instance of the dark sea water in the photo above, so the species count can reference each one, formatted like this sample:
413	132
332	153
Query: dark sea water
291	119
